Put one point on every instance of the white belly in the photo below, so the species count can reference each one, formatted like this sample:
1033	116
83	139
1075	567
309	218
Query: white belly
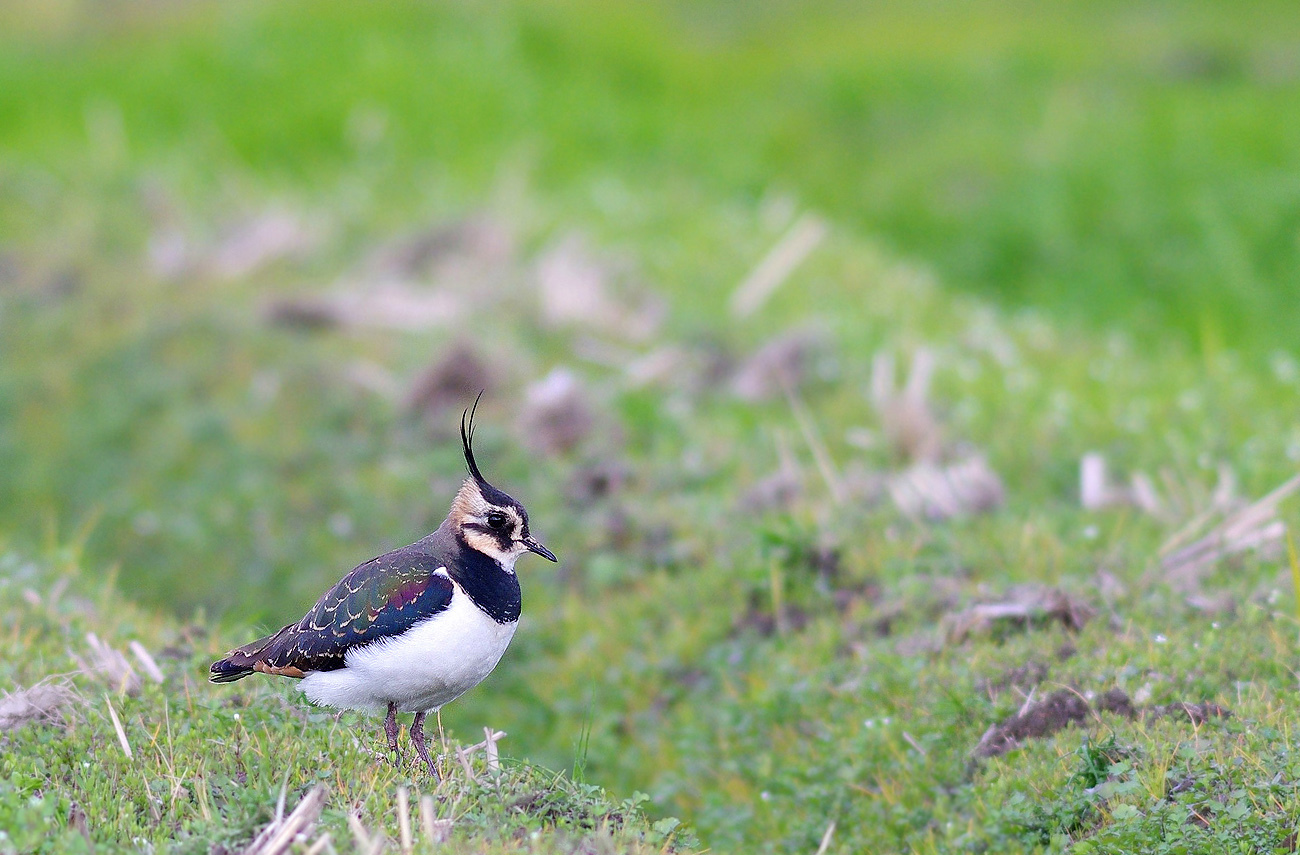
433	663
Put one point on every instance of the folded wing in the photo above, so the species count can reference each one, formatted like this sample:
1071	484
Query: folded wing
383	597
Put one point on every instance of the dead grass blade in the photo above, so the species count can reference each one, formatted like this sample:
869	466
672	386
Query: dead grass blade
488	746
1025	606
146	660
117	726
490	739
1094	489
1175	499
283	831
929	491
323	844
404	819
366	843
112	665
435	830
826	839
1254	527
781	260
907	419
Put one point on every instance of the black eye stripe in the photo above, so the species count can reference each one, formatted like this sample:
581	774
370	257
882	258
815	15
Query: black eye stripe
501	538
473	526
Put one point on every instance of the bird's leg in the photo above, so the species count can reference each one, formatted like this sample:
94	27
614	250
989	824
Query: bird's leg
417	739
390	729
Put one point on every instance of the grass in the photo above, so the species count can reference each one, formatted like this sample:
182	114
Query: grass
1015	197
1107	159
171	764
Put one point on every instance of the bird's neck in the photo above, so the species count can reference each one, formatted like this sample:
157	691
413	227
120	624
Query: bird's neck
493	587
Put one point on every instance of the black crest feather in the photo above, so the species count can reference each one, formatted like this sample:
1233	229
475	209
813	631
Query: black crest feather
467	440
492	494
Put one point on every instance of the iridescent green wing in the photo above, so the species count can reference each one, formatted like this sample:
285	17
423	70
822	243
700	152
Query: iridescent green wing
381	598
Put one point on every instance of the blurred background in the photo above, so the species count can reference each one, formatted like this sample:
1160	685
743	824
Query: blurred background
256	258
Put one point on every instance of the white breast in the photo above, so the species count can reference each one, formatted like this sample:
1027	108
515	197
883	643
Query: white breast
429	665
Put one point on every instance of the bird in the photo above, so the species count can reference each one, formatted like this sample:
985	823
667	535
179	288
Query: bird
415	628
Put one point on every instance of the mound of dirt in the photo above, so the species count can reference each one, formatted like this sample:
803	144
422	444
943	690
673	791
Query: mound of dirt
1064	707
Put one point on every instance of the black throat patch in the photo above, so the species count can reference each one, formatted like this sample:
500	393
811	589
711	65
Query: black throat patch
491	588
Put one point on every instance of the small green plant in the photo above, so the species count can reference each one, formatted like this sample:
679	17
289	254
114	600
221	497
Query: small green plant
583	744
1076	804
1096	760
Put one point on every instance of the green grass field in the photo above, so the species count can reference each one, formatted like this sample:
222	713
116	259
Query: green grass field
241	246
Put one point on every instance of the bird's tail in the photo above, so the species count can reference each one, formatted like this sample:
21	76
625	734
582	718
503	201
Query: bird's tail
240	662
226	671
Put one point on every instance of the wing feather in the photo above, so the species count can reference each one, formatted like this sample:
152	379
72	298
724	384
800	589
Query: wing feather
383	597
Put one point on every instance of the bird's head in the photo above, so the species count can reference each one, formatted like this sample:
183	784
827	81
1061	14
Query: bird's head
486	519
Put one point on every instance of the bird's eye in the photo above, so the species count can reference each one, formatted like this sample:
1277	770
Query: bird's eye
497	520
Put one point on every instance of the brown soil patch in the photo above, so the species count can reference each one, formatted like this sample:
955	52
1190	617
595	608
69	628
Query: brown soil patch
1065	707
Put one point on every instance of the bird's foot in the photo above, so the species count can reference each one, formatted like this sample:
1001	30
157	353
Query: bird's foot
417	739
